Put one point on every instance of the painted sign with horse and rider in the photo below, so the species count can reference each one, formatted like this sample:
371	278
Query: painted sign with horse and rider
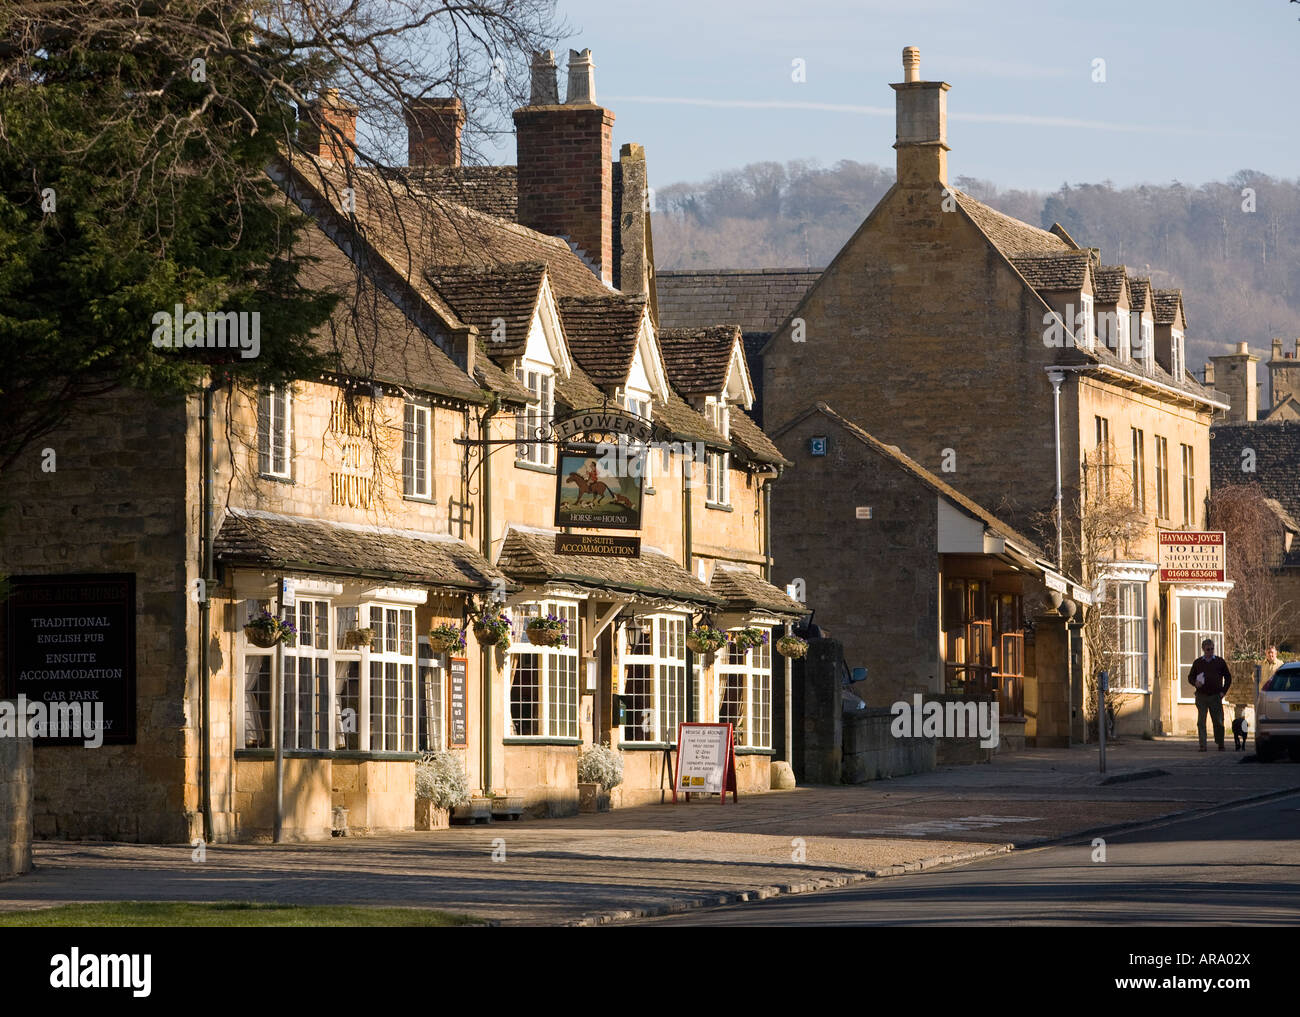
589	493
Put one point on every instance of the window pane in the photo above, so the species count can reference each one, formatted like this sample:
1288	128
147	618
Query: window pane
525	694
257	702
408	707
347	704
376	705
638	699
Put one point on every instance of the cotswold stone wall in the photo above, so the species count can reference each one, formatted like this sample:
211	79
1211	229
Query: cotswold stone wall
15	806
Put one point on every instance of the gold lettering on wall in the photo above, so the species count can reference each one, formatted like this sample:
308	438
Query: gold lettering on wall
354	492
355	487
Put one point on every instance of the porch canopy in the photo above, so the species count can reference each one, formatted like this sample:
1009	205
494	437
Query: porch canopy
746	593
294	544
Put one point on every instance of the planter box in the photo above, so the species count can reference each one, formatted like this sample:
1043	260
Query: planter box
591	798
476	810
429	817
507	805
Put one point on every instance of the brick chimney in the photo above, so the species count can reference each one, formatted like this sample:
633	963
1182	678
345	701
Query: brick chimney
433	129
565	174
324	123
1236	376
922	126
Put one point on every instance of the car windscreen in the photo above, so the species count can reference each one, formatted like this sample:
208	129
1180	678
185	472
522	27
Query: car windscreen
1287	679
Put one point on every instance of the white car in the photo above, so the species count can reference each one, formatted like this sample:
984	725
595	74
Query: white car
1277	714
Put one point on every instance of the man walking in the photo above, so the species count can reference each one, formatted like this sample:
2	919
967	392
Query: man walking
1210	677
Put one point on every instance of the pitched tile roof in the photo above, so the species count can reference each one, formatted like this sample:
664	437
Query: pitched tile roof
1139	292
1111	282
743	589
482	294
757	300
1277	459
528	556
1167	304
296	544
1011	236
602	334
491	190
748	438
697	359
1064	270
685	423
892	453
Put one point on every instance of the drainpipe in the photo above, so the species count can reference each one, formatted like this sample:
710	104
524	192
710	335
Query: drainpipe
688	559
1056	377
485	540
205	613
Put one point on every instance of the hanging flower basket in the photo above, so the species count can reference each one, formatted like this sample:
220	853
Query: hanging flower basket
705	640
492	629
354	639
744	639
446	637
548	631
792	647
266	630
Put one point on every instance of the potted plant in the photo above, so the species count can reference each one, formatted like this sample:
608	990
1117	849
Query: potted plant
354	639
600	769
492	628
446	637
440	786
265	630
548	631
744	639
792	646
705	639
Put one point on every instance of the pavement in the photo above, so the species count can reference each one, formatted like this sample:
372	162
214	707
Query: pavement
661	859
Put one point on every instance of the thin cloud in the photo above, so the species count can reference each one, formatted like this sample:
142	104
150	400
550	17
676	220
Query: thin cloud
1019	119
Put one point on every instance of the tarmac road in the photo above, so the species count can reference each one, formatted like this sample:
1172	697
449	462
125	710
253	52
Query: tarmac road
1237	866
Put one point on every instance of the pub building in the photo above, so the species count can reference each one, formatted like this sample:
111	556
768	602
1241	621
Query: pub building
417	484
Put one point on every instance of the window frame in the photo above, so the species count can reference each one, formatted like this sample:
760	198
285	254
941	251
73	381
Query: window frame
412	412
1197	636
717	465
754	669
669	679
555	665
1139	469
1133	649
538	412
1162	477
1189	484
269	427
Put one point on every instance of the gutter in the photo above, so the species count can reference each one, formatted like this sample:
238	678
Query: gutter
1142	379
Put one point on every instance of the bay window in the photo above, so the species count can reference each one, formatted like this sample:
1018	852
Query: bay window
1128	613
745	687
654	686
544	679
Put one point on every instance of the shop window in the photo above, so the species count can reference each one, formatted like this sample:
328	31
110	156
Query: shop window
306	688
745	682
417	451
274	433
544	679
392	680
430	703
654	680
1199	619
347	704
1126	611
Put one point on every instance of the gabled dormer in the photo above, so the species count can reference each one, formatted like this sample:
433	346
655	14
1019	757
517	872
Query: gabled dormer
1170	332
1142	318
1066	283
1113	302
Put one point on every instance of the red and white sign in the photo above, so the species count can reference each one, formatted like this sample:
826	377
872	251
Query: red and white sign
1192	557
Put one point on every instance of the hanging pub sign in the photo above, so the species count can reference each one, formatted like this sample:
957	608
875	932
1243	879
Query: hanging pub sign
1192	557
71	656
599	487
598	544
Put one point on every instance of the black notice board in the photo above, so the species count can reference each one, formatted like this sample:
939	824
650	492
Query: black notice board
458	679
71	638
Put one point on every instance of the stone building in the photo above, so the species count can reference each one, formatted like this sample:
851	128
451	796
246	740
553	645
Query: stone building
973	342
415	485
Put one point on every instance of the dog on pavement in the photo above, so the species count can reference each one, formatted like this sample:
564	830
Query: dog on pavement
1239	733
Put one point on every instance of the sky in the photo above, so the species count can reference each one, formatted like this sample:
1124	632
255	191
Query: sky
1190	91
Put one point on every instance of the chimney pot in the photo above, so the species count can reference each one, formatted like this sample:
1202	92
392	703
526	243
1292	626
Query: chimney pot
582	77
1243	347
545	90
911	63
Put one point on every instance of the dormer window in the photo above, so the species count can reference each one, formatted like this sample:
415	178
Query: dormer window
1177	354
1088	324
717	464
638	403
537	415
1148	342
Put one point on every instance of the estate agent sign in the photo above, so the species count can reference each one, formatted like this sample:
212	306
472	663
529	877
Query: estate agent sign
71	640
1192	557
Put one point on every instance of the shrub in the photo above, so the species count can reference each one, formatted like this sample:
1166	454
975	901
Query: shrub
440	777
600	765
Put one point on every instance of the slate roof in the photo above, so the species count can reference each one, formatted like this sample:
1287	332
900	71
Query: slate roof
528	556
602	333
697	359
1111	283
1139	291
1167	304
748	438
685	423
492	190
892	453
482	294
1277	459
1011	236
1066	270
745	590
758	300
296	544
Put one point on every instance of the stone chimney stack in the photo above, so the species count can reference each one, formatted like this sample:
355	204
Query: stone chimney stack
1284	374
922	126
1236	375
433	129
565	169
327	126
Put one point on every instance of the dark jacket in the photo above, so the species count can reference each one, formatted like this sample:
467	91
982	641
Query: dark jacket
1217	678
